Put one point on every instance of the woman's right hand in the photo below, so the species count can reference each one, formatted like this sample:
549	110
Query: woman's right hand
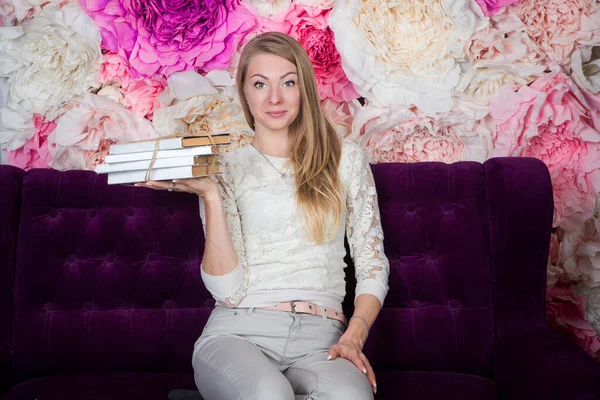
203	186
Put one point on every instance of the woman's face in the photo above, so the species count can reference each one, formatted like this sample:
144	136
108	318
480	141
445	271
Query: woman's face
271	88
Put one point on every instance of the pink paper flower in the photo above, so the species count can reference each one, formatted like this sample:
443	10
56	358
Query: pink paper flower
558	27
115	70
164	37
397	134
566	311
84	133
141	96
549	120
491	7
308	25
34	154
341	114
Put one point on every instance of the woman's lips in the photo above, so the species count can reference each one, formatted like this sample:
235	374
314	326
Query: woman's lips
276	114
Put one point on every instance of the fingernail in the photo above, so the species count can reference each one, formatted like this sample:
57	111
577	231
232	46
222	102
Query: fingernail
329	357
364	371
375	390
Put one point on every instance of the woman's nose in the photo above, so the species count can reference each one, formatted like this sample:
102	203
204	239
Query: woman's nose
275	96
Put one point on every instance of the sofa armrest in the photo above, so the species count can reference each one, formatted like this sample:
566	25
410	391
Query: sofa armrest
10	199
544	364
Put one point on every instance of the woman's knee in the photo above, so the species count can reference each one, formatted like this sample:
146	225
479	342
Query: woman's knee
359	389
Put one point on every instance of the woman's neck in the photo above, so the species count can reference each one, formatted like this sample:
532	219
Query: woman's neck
276	145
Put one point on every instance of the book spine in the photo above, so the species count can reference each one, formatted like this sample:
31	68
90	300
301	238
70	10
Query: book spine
138	147
155	175
145	164
147	155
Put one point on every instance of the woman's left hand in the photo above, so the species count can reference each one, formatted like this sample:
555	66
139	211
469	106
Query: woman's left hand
352	350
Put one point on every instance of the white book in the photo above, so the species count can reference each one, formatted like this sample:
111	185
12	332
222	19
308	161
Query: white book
162	174
169	144
147	155
159	163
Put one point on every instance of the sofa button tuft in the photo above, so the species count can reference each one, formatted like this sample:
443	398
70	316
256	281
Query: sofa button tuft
53	213
414	303
169	304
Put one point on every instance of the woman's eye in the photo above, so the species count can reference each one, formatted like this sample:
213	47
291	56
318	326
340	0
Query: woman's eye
259	85
289	84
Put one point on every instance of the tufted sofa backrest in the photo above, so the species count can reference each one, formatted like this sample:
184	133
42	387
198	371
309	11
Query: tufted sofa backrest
107	278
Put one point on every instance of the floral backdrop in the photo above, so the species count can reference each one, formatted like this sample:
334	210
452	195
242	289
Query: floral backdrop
422	80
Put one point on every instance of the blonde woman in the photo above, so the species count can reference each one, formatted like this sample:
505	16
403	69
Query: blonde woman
275	222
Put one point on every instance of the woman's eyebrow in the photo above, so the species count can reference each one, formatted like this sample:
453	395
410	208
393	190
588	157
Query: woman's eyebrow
281	77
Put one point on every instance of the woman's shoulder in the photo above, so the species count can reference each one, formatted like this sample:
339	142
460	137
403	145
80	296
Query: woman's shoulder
352	154
235	157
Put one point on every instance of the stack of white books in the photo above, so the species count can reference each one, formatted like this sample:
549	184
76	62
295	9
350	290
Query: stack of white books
176	158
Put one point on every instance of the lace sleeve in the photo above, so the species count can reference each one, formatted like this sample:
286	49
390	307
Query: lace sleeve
230	289
363	228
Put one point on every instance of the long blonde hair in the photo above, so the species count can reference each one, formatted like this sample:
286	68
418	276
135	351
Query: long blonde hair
316	146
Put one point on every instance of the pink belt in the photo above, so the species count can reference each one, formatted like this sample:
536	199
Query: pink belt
308	307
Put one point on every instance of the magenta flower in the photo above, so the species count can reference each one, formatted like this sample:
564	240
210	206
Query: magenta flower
165	37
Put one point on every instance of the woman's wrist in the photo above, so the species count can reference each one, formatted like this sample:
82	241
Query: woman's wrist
357	331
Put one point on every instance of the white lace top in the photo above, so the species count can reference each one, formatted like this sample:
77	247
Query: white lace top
276	261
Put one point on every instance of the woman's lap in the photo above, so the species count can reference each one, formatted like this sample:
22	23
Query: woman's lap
249	352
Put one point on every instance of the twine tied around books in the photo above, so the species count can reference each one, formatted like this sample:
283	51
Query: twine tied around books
155	152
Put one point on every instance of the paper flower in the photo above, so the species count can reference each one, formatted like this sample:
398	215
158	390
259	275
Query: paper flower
34	153
558	27
549	120
405	53
51	59
201	105
165	37
84	133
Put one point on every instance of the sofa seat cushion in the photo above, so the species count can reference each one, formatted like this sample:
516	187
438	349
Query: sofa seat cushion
434	386
147	386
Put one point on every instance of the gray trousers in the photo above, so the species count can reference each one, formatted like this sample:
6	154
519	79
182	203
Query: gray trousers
249	354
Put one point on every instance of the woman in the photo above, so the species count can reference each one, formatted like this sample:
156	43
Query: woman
275	221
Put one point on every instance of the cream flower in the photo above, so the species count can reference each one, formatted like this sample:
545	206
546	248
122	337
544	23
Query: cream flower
585	68
322	4
558	27
405	53
15	11
341	114
579	251
51	59
266	8
592	303
84	133
201	105
401	135
501	54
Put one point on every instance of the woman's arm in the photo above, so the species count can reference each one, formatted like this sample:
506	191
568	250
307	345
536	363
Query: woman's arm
219	256
224	266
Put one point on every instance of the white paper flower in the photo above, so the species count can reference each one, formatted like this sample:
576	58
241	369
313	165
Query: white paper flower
579	251
502	54
585	68
397	134
592	303
405	53
202	104
51	59
84	133
15	11
322	4
266	8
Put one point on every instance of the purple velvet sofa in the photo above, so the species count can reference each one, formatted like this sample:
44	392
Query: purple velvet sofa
101	295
